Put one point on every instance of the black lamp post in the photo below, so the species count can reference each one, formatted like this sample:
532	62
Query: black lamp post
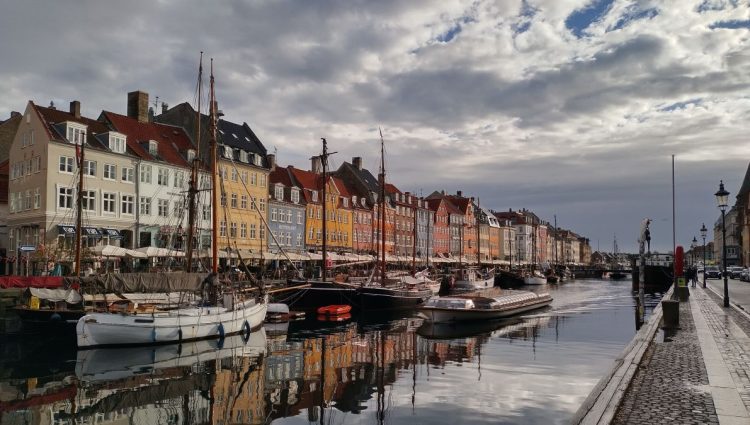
704	232
722	200
693	245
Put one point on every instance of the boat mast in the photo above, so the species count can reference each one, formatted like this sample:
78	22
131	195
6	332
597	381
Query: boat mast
555	240
382	207
479	238
215	186
323	162
414	241
79	211
427	242
193	184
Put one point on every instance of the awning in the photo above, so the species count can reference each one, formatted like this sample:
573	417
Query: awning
91	232
68	231
112	233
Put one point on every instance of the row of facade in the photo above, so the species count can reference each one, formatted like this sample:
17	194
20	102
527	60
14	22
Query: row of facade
136	173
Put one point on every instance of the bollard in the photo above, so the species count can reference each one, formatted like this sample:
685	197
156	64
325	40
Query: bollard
670	314
683	293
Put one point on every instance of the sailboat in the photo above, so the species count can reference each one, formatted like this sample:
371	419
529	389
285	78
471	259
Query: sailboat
225	309
379	291
615	274
534	277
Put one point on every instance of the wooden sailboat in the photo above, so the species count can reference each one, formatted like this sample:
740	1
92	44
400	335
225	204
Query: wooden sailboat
534	277
236	311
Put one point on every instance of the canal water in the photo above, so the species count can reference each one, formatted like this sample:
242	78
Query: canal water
390	370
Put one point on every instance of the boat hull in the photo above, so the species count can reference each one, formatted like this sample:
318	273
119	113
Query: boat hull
479	283
107	329
534	280
316	295
377	298
445	315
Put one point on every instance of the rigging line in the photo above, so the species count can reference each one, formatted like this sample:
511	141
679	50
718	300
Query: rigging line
263	219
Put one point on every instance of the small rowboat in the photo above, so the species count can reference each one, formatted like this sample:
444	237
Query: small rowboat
334	310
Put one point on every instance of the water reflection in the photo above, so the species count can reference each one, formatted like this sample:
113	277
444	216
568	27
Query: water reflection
535	369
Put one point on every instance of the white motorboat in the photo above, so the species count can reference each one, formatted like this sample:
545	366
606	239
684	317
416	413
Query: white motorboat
476	278
181	324
458	309
535	278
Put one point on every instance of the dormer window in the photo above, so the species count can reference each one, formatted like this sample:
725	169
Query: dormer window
346	202
116	142
279	192
243	156
76	133
315	196
227	152
354	200
256	160
153	147
190	155
364	202
295	196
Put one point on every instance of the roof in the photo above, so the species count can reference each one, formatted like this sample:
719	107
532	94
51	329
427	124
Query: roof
745	188
281	175
434	203
365	176
240	137
4	170
452	209
460	202
50	117
171	140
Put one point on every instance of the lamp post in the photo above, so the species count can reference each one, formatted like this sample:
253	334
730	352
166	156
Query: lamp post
722	200
704	232
693	245
694	267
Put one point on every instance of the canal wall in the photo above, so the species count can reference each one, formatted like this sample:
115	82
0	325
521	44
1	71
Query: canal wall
602	403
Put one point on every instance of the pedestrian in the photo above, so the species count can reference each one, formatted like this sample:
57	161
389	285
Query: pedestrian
692	275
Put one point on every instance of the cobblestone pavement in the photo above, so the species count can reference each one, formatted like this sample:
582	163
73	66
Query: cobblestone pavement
729	329
670	384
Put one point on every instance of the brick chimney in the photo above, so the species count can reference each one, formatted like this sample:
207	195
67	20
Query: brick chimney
316	165
75	108
164	107
357	162
14	114
271	158
459	193
138	105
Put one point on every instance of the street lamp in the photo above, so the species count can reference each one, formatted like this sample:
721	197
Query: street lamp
722	200
693	245
704	232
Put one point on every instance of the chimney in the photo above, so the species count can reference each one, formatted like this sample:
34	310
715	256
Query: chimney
164	107
75	108
316	165
459	193
271	158
15	114
138	105
150	114
357	162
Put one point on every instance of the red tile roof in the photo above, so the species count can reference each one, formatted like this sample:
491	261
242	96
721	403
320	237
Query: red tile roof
460	202
50	117
172	140
280	175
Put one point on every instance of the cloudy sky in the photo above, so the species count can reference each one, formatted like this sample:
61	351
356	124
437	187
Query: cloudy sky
567	107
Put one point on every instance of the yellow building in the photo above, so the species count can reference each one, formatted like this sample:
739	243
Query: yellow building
339	223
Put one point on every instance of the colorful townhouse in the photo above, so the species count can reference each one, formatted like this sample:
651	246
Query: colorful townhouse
470	230
425	230
242	178
286	211
404	216
440	236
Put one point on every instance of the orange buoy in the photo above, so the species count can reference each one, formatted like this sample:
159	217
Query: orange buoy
334	310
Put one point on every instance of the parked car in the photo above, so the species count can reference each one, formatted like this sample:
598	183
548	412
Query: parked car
745	275
713	273
734	272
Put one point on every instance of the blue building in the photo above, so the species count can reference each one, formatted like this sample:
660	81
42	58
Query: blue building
286	212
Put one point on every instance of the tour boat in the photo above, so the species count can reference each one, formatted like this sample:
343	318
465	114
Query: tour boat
535	278
468	308
476	278
334	310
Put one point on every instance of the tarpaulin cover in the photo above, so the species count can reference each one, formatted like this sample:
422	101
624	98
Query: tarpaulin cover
141	282
31	282
70	296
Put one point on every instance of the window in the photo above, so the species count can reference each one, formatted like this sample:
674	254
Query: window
27	202
126	204
295	196
262	233
243	177
243	230
162	178
190	155
254	179
127	174
153	147
108	203
36	163
177	209
279	192
223	228
288	216
37	198
243	156
234	175
233	230
179	179
299	217
273	214
252	230
315	196
234	200
110	171
262	205
65	197
163	208
346	202
89	168
116	143
243	202
145	174
145	205
66	164
76	135
223	199
89	200
206	212
262	180
299	239
257	160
